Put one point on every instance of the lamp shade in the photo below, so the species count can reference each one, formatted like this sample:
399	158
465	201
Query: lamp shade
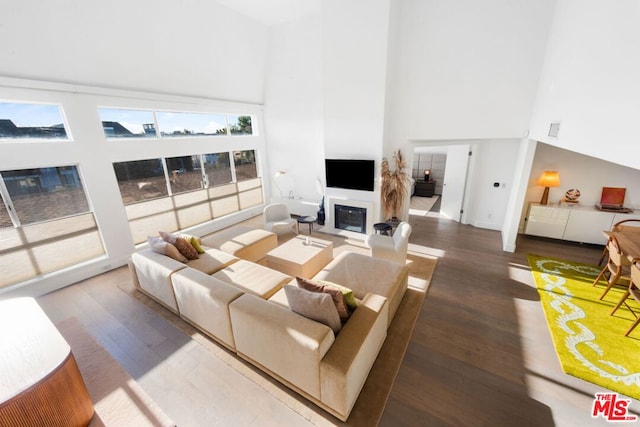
549	179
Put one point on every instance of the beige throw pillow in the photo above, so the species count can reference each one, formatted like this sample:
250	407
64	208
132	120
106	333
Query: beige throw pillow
313	305
336	295
168	237
160	246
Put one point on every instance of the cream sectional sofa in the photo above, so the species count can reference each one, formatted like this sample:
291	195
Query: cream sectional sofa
243	306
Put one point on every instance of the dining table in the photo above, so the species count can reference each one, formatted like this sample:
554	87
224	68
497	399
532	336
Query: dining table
629	241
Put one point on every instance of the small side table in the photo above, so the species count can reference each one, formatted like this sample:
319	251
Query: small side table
306	220
382	228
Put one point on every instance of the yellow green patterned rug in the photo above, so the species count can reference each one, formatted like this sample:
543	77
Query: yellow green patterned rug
589	342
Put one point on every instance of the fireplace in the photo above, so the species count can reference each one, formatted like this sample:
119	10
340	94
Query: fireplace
350	218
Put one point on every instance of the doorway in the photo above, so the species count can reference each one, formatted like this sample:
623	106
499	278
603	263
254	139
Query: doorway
449	169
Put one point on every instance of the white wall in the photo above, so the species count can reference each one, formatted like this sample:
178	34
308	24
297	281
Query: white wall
590	80
293	107
185	47
467	69
354	37
354	48
494	163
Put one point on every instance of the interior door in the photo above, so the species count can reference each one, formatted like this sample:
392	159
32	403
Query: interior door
455	178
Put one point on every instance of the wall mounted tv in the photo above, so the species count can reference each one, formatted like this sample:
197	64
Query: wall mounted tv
350	174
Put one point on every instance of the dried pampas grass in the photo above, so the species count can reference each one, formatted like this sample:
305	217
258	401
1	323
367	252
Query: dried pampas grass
394	186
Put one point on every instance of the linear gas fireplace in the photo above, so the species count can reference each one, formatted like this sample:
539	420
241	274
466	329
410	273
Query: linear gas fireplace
350	218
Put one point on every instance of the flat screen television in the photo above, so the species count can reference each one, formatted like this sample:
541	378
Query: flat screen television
350	174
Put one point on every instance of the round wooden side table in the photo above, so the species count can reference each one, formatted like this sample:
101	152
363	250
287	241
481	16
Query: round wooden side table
40	383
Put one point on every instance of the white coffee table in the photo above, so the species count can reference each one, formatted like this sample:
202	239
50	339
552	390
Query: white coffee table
296	258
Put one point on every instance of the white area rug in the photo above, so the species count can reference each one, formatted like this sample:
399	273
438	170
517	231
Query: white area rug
422	205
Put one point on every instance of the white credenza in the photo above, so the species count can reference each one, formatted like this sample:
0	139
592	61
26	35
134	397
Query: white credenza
583	224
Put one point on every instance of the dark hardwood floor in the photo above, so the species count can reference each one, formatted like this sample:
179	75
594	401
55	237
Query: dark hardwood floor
480	354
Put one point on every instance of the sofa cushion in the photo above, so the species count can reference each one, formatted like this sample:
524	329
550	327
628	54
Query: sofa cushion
195	242
349	298
153	272
182	243
186	248
204	301
336	295
253	278
316	306
280	342
244	242
345	367
163	247
364	274
212	260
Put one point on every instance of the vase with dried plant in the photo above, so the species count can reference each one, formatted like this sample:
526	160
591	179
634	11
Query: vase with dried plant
394	186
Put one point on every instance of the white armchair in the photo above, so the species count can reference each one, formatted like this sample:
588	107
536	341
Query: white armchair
391	248
278	219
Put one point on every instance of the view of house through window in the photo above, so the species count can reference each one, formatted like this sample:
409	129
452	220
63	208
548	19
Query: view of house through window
124	123
177	192
119	123
46	193
46	222
31	121
245	162
141	180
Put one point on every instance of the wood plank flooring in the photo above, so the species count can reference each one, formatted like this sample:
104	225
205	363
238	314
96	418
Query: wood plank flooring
480	354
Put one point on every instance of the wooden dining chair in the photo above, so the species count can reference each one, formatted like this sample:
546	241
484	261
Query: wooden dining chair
619	226
634	292
617	266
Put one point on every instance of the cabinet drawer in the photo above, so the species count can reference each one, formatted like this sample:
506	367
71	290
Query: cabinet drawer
586	226
547	221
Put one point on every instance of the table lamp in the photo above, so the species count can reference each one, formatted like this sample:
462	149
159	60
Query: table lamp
548	179
276	175
427	174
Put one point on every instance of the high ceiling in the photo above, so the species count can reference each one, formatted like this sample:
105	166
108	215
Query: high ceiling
273	12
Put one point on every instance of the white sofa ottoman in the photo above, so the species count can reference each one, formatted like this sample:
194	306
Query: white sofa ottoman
243	242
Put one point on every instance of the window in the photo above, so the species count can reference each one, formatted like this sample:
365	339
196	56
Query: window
46	193
217	169
45	222
185	174
118	123
141	180
31	121
194	189
240	125
191	124
245	162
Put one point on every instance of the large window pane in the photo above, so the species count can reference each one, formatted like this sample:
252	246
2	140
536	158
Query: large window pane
118	123
245	162
5	220
45	193
240	125
191	124
140	180
217	168
31	121
185	173
53	228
